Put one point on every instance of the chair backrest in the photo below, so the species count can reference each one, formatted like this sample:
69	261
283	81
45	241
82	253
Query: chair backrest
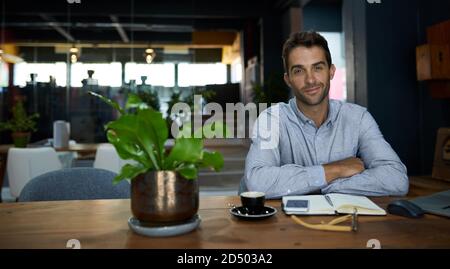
82	183
441	164
23	164
107	158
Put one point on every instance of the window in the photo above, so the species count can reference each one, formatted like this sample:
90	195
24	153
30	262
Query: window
23	70
338	87
4	74
236	71
157	74
201	74
106	74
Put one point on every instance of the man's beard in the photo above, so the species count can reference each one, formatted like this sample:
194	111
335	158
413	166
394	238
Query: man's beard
302	98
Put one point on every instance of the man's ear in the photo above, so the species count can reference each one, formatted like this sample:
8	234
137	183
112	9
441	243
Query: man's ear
332	71
286	80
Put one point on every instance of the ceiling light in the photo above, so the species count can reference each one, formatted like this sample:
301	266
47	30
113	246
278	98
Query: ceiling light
73	58
74	54
149	55
149	58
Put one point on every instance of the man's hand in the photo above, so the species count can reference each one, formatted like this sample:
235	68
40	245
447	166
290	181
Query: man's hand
344	168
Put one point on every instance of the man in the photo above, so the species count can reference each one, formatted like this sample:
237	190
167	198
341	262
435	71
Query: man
323	145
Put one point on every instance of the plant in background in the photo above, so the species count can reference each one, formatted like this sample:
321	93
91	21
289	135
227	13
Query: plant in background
171	117
20	121
140	133
150	98
207	96
274	90
259	96
182	119
20	124
277	90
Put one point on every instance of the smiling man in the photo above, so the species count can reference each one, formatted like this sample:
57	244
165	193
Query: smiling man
322	145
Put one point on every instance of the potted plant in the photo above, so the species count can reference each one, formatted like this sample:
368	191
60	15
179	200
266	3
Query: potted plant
21	125
164	188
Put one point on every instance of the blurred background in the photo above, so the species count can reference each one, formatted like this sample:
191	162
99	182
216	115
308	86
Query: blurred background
229	51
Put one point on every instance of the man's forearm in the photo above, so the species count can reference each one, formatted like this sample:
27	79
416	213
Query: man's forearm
343	168
332	172
286	180
378	181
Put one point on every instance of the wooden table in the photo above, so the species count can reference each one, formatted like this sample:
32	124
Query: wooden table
103	224
83	150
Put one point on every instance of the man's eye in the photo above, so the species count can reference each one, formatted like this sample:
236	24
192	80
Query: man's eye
297	71
319	68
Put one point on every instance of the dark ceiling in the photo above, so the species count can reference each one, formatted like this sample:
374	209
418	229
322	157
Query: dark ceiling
127	23
154	21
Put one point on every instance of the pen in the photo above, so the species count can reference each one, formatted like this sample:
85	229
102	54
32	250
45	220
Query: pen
329	200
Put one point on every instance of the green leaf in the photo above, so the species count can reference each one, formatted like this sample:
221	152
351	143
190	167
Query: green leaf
128	150
188	171
110	102
129	171
134	101
130	136
213	160
185	150
152	132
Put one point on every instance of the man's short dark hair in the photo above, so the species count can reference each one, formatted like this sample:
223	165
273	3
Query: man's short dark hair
305	39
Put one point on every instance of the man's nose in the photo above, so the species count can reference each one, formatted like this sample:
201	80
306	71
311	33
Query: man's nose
310	78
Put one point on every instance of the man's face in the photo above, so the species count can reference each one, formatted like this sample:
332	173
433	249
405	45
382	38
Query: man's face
309	75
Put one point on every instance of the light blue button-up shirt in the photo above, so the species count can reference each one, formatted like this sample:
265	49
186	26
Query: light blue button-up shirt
293	166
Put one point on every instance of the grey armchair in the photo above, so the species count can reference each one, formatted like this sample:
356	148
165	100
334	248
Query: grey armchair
82	183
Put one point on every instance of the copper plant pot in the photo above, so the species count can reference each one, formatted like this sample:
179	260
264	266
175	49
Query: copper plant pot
163	197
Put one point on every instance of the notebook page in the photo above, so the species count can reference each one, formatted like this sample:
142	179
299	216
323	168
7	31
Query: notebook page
344	203
318	205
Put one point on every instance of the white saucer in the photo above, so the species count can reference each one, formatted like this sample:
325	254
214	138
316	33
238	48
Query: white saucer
163	231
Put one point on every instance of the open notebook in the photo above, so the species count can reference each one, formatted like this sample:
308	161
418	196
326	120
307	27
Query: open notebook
334	204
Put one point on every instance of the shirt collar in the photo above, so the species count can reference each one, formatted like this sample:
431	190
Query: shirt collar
331	118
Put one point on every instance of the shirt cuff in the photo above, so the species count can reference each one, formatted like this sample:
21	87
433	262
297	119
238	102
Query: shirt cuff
317	176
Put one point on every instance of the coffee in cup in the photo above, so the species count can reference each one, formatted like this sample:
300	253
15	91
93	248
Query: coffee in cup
253	200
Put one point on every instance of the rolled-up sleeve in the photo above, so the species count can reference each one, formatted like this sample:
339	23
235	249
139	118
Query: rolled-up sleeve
384	175
264	172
